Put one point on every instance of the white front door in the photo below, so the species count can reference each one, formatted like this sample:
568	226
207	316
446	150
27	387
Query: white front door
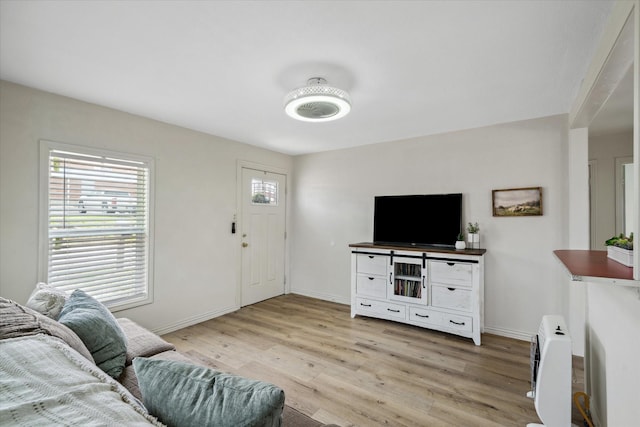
263	235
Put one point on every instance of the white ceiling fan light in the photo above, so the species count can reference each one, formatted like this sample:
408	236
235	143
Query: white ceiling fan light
317	102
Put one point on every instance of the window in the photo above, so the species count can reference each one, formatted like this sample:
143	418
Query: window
97	216
264	192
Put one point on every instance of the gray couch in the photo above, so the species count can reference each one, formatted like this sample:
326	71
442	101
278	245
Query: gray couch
49	377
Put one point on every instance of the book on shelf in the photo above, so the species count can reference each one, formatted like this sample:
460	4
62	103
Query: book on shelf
411	270
408	288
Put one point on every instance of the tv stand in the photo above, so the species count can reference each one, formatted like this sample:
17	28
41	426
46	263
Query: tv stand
428	286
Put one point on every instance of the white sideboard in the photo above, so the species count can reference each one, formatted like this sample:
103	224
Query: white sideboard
435	288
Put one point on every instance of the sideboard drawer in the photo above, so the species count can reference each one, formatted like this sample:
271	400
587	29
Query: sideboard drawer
454	273
458	323
373	286
426	316
451	297
372	264
381	308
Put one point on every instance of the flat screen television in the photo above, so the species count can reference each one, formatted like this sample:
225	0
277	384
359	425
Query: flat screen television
421	219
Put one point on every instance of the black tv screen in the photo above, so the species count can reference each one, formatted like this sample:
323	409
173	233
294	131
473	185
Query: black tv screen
422	219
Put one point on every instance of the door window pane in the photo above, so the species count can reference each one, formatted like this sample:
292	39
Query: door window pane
264	192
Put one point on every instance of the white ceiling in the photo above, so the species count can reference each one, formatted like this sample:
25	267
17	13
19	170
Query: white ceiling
223	67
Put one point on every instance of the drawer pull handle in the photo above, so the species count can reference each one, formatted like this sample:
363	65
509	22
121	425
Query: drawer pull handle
365	305
451	264
393	311
452	289
371	278
390	282
456	323
424	316
371	256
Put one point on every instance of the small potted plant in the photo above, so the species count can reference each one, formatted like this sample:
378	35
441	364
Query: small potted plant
460	244
620	249
473	235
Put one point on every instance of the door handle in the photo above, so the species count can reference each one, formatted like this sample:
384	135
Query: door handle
245	244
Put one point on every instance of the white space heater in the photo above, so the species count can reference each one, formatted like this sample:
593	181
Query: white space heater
551	373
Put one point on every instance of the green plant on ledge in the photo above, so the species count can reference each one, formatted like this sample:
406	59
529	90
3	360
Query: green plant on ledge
473	228
621	241
461	237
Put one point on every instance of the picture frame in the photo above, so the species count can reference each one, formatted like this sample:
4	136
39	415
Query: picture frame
526	201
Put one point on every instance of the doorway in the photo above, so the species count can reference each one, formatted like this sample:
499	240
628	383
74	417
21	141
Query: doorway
262	231
624	195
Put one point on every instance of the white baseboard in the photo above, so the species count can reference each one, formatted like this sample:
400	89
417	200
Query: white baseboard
319	295
509	333
193	320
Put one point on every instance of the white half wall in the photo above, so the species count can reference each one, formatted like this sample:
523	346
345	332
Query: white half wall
195	252
613	346
332	206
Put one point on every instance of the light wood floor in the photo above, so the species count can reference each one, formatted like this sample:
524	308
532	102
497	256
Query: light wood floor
368	372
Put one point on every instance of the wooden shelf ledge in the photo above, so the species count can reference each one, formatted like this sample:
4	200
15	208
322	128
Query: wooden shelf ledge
595	266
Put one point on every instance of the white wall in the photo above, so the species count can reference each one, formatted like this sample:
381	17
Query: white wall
613	348
195	200
578	229
332	206
604	150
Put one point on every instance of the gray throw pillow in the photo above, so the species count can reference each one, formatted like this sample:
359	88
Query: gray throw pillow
182	394
98	330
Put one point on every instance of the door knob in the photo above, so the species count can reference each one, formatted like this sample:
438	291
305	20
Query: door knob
245	244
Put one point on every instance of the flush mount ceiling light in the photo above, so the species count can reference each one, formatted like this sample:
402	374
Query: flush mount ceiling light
317	102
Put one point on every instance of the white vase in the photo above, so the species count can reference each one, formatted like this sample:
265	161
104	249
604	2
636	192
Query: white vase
474	240
460	244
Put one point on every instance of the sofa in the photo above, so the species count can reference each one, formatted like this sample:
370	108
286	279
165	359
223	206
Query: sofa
52	372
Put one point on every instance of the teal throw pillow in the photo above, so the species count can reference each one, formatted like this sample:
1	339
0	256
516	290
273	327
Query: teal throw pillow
98	330
182	394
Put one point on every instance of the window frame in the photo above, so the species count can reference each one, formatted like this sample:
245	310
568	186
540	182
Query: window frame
43	208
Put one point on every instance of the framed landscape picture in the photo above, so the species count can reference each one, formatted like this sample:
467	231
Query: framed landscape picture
517	201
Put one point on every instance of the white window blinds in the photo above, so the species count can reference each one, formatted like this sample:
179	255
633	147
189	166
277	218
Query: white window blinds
98	225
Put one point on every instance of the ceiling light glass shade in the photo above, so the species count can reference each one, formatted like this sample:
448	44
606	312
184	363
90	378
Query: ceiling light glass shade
317	102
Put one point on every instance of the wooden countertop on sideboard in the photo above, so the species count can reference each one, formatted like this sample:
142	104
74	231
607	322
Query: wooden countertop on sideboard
418	248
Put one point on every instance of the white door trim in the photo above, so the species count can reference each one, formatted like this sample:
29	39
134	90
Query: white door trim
241	164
